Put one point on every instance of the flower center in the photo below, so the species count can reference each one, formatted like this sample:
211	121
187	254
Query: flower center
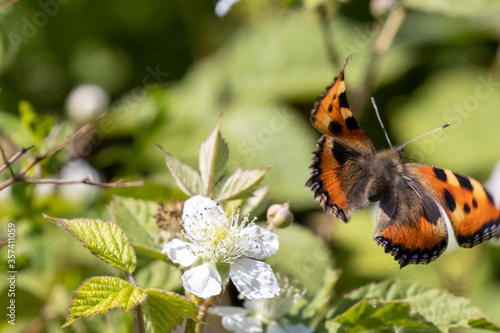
221	241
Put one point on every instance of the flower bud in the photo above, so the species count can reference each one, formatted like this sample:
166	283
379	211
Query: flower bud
280	216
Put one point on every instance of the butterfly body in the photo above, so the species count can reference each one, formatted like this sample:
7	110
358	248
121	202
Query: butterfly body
348	173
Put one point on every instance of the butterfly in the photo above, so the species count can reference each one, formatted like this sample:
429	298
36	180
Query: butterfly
348	174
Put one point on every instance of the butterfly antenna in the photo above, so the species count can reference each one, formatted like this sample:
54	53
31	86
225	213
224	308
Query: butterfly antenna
381	123
418	137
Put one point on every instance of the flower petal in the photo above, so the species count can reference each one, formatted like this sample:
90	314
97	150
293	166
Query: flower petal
222	311
223	6
266	245
242	324
254	279
178	252
200	212
203	281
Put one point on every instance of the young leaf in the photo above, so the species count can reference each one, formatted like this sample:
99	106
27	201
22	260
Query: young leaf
214	154
135	217
240	183
188	180
104	239
164	311
98	295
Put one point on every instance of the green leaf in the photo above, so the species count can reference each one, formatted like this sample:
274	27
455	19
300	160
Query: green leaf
240	183
164	311
214	154
188	180
135	217
376	314
307	267
483	324
441	308
28	115
159	274
316	307
98	295
104	239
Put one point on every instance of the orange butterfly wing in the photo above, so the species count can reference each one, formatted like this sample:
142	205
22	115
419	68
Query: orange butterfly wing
336	171
332	116
472	212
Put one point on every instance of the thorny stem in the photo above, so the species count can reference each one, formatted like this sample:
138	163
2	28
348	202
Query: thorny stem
202	314
20	175
86	180
12	159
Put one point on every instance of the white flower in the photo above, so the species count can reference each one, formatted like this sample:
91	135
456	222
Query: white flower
220	248
223	6
263	315
85	102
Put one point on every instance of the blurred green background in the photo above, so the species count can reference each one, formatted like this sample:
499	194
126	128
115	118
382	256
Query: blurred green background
165	70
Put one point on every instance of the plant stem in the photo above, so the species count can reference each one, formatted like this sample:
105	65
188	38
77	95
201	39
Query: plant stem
202	314
191	323
138	308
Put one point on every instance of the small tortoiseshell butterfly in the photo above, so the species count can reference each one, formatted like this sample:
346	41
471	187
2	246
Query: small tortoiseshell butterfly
348	173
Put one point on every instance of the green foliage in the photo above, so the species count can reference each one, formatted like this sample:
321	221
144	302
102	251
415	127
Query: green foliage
214	154
104	239
164	311
213	157
307	267
135	217
98	295
405	304
263	67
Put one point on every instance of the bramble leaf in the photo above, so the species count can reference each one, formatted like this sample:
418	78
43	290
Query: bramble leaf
240	183
104	239
98	295
436	306
135	217
213	154
164	311
188	180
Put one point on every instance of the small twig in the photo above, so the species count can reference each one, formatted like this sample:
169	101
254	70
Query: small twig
19	176
86	180
381	45
12	159
7	3
325	25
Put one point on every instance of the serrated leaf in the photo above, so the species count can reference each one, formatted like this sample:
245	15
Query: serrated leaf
483	324
240	183
213	154
104	239
136	218
376	314
188	180
98	295
441	308
164	311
